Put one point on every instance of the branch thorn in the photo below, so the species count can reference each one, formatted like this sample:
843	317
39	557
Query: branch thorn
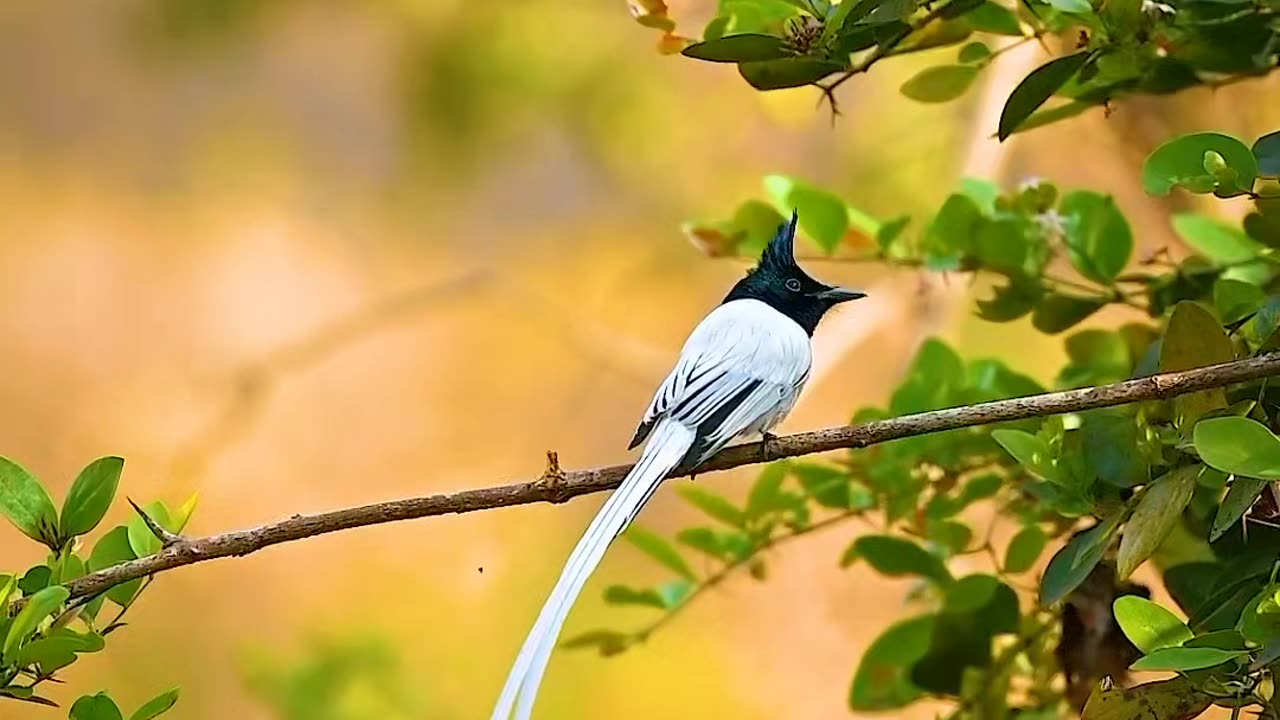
165	537
552	481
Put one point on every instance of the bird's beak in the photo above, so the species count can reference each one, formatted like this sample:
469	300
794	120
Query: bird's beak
837	295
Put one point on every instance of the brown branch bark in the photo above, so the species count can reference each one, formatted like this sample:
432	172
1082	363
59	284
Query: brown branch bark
557	486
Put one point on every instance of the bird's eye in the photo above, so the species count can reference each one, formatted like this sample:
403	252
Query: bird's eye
793	285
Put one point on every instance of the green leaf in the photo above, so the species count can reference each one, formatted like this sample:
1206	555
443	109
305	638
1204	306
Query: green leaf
994	18
950	234
1073	563
764	494
183	514
1241	496
828	486
704	540
95	707
974	52
1173	699
1111	441
38	607
890	231
27	504
1194	339
1078	7
1180	162
156	706
936	373
1057	312
1024	549
786	73
1011	301
823	216
675	592
952	536
976	609
883	678
90	496
8	586
606	642
896	557
1214	239
141	539
1260	618
980	594
1158	510
753	226
113	549
36	579
1098	237
58	649
1148	625
656	547
1001	245
1266	150
1181	659
1238	446
624	595
940	84
1036	88
1235	299
713	504
1030	451
738	48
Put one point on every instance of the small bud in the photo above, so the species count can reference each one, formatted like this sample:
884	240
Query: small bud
1214	163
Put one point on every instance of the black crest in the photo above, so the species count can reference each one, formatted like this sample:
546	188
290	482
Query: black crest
780	254
778	281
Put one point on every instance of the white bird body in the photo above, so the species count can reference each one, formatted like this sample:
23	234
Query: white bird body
739	374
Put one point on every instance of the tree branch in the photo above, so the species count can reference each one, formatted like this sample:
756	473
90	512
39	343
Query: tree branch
557	486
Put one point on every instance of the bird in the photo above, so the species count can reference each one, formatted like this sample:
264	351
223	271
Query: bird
738	375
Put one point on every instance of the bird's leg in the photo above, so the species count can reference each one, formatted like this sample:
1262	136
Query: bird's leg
766	441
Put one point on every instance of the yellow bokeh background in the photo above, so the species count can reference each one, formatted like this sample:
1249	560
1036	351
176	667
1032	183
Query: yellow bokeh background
296	256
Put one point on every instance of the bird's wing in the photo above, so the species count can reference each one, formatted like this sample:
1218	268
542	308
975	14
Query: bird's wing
742	364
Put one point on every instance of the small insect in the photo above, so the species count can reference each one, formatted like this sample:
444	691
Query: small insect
480	569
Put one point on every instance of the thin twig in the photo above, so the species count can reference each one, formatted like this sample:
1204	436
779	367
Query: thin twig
558	487
882	51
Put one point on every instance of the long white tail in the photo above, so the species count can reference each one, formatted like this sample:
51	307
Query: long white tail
666	447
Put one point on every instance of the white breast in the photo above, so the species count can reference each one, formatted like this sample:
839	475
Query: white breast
740	372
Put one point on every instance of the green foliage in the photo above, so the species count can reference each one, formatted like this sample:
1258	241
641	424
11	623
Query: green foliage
1035	89
1110	50
91	495
1148	625
1182	486
44	629
26	503
1202	163
102	707
335	678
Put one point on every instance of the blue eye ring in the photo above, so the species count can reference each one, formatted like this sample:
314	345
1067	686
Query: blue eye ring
792	284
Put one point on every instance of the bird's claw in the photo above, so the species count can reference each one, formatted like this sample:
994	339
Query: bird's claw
766	445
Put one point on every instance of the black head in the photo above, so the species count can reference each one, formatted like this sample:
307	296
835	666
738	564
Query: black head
778	281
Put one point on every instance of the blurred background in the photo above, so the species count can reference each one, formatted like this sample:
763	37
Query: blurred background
296	256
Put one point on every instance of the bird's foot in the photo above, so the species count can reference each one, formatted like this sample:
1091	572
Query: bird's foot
766	445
